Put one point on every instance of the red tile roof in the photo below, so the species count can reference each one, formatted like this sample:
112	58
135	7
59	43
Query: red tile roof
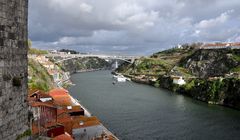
65	136
74	122
221	44
61	97
39	94
37	104
64	110
58	92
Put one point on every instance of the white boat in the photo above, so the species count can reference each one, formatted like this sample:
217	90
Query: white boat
120	78
128	79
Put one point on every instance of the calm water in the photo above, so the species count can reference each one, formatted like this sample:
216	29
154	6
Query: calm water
135	111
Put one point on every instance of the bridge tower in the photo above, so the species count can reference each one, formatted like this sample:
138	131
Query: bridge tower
116	64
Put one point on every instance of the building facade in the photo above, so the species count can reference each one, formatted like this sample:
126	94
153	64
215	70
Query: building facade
13	68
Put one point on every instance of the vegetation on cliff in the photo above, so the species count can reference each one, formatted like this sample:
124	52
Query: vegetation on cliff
83	64
211	75
69	51
219	91
211	63
36	51
38	77
148	66
161	63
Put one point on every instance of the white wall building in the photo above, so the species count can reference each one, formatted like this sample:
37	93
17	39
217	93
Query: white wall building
179	81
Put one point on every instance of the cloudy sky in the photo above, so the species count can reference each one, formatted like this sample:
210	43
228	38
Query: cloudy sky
138	27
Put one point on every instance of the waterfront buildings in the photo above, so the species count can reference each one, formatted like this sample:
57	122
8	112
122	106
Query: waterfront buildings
59	76
59	116
235	45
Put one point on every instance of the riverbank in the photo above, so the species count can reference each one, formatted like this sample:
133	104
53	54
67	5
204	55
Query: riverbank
124	108
217	91
89	70
53	96
208	75
87	112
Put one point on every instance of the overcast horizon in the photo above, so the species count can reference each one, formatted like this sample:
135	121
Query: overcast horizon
139	27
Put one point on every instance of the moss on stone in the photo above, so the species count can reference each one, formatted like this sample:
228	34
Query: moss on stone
25	134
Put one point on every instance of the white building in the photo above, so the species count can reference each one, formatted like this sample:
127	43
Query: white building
48	65
56	76
178	80
220	46
179	46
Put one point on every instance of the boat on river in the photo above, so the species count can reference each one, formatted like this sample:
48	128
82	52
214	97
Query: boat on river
119	78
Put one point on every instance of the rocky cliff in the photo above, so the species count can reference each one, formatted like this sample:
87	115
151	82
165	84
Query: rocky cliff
84	64
211	75
224	91
211	63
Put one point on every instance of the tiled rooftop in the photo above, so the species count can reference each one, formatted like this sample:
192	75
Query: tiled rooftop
81	127
65	136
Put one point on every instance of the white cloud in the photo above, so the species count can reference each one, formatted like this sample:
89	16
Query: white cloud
131	25
85	7
133	15
237	39
204	24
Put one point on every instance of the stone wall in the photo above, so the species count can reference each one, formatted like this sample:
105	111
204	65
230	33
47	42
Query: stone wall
13	68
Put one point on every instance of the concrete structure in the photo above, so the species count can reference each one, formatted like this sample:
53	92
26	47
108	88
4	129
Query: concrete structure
13	68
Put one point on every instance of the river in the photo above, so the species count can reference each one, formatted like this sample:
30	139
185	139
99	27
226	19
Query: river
140	112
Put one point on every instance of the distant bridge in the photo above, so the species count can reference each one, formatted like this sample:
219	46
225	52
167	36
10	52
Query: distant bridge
126	58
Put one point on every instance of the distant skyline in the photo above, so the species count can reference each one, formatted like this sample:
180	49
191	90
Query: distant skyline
139	27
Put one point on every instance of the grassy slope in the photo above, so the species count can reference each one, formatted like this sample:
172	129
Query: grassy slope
36	51
39	77
86	63
160	63
174	62
177	62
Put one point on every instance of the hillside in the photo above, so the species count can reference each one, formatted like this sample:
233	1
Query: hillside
38	77
83	64
201	63
36	51
211	75
161	63
211	63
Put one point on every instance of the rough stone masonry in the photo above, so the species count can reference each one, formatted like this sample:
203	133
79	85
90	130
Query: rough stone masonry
13	68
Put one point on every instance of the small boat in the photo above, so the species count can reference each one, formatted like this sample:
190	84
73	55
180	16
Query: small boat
128	79
120	78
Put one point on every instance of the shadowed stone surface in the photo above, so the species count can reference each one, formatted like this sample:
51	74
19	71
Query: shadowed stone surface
13	68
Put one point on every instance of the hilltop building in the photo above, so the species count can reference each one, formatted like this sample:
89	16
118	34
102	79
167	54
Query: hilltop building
220	46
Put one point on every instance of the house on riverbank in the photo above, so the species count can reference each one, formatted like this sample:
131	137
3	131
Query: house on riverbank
58	115
61	78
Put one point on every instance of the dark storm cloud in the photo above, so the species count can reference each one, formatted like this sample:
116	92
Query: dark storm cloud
131	26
